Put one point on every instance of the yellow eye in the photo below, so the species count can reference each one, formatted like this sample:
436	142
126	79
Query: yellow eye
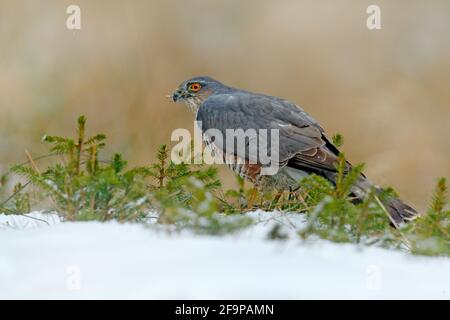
195	87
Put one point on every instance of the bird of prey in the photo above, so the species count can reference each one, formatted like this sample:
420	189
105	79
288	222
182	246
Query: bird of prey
303	147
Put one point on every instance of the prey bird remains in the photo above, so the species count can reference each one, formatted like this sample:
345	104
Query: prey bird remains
303	147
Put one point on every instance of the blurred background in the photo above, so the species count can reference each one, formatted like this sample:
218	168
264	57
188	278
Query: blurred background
387	91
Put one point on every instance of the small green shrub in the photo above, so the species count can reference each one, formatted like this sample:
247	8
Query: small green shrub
430	233
79	186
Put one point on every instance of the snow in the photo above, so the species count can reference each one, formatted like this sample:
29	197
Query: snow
46	259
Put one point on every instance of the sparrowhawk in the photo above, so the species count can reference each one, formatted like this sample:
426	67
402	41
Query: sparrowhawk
303	147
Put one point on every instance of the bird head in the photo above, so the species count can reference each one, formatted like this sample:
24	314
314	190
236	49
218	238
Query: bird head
194	91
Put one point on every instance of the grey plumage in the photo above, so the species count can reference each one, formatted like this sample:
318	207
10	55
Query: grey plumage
303	146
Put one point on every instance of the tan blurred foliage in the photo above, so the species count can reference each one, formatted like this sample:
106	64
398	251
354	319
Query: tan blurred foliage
386	91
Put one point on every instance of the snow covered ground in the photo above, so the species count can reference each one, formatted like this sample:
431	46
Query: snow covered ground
48	259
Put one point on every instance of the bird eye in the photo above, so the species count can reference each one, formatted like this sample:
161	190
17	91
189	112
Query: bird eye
195	87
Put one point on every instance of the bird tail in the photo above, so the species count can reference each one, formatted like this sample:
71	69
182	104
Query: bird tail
398	210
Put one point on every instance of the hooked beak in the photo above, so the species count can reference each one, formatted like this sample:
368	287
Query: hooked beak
177	95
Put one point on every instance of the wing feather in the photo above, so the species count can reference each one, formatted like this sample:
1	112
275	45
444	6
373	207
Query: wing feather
302	142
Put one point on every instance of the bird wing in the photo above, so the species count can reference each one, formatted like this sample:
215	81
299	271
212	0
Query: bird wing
302	143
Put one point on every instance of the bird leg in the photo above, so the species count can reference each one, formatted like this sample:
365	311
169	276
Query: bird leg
252	197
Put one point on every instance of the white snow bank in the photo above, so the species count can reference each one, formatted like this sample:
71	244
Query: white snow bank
109	260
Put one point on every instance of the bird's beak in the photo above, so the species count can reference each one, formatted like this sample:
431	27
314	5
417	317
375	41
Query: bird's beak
176	95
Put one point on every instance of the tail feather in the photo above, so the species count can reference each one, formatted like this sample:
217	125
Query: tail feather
398	210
